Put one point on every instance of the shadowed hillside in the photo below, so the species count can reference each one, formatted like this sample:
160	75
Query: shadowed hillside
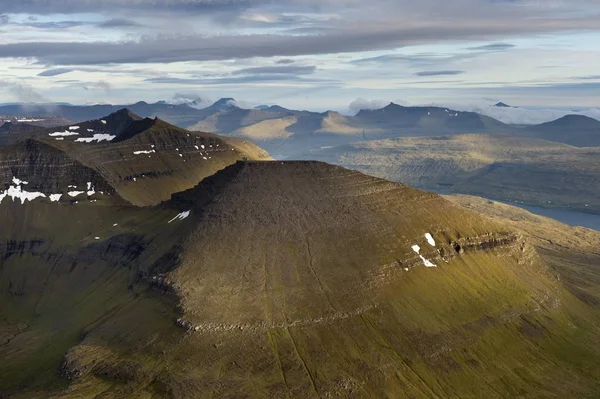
144	160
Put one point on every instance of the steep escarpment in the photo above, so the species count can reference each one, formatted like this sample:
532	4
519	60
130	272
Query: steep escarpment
32	169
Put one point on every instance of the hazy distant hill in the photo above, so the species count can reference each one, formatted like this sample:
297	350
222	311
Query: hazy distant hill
531	171
577	130
290	133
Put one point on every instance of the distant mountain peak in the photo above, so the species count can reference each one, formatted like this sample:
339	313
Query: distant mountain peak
503	105
123	112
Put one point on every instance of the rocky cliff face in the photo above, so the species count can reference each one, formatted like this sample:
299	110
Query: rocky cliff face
32	169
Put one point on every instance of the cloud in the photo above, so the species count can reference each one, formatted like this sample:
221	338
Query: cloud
119	23
54	24
368	35
523	116
438	73
193	100
361	103
100	85
23	93
277	70
274	78
493	47
285	61
46	7
55	72
4	19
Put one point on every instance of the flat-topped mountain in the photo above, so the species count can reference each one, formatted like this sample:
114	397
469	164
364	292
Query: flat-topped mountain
274	279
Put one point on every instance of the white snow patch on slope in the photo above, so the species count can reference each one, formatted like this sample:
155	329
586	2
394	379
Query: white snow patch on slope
91	190
103	121
144	152
62	134
17	192
97	137
430	239
55	197
181	216
426	262
73	127
75	193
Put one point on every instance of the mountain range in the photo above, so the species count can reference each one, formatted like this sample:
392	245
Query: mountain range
289	134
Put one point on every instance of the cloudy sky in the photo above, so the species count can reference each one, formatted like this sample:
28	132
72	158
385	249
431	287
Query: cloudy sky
311	54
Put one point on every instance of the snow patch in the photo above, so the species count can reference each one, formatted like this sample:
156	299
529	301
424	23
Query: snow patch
75	193
97	137
17	192
430	239
73	127
62	134
144	152
103	121
202	145
59	138
181	216
426	262
90	130
90	189
55	197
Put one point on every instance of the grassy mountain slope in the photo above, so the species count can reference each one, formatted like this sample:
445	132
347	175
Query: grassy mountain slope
285	280
531	171
572	251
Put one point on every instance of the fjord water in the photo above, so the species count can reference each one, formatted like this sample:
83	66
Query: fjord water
572	218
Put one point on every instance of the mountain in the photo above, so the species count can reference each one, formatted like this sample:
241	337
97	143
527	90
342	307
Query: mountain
291	134
508	168
143	160
435	119
179	114
577	130
502	105
275	279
